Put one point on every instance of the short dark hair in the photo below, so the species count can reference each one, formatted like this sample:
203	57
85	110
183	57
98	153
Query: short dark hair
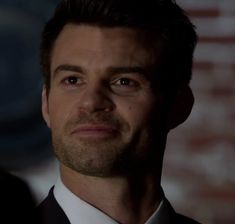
162	19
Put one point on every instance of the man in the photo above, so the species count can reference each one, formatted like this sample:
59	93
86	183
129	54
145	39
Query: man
116	82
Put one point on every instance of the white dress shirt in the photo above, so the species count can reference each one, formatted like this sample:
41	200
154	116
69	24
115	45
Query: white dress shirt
80	212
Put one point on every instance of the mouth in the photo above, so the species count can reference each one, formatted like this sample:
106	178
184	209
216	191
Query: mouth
95	131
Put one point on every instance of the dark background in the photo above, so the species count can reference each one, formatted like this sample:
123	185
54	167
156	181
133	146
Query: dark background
24	138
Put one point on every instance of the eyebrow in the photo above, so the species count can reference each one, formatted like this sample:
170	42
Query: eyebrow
67	67
127	69
110	70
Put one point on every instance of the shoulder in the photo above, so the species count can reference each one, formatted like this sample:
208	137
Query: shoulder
51	212
176	218
19	204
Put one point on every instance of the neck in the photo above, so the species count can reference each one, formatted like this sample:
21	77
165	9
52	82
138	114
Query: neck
130	199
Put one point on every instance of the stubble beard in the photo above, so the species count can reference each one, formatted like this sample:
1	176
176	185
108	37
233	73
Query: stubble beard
94	157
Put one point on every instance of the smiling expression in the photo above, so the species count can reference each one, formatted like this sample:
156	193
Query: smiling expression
100	104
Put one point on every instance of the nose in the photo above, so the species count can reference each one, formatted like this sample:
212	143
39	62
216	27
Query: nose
95	98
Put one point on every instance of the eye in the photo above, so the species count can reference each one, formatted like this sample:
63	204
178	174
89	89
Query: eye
71	80
125	86
126	82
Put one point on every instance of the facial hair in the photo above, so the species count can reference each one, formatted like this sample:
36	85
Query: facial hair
95	157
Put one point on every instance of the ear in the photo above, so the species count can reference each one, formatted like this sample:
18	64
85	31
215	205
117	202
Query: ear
45	106
181	107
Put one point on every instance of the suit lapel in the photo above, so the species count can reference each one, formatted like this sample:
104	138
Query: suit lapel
167	215
51	212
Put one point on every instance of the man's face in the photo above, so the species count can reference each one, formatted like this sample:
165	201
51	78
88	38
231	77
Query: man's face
100	105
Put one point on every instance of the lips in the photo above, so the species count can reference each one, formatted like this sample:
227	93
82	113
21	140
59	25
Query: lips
95	130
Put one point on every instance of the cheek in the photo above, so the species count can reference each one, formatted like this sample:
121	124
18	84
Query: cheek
59	111
136	113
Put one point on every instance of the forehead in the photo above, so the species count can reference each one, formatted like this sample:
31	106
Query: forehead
92	43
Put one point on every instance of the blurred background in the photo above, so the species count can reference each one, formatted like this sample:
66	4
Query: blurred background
199	167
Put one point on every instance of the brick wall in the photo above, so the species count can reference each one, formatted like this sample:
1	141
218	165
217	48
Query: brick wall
199	169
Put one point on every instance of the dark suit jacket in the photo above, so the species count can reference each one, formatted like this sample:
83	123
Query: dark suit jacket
52	213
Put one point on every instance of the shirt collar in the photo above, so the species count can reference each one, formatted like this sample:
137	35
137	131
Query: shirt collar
79	211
